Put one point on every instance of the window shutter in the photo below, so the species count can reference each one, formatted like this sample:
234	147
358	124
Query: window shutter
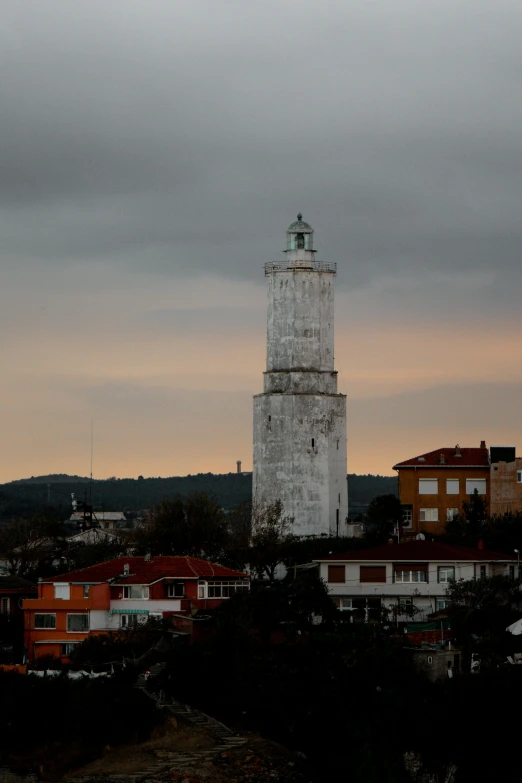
410	566
336	573
428	486
476	484
373	574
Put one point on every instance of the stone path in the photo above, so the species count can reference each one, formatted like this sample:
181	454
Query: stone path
226	740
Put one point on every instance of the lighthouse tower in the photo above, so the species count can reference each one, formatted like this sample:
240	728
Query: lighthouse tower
300	419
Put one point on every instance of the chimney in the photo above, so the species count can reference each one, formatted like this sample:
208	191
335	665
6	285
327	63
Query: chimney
482	444
126	569
457	451
238	463
480	544
442	459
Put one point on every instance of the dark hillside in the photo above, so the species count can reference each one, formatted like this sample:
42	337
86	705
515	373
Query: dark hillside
21	498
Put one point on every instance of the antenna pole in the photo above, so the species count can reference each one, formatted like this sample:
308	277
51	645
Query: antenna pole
90	483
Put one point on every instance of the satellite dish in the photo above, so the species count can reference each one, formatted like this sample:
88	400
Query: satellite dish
420	537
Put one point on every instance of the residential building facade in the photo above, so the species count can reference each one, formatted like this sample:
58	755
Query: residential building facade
120	594
433	486
506	481
412	575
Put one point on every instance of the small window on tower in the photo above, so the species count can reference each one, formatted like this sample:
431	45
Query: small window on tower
269	418
313	442
299	241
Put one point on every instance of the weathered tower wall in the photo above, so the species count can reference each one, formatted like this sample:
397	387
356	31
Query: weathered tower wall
300	419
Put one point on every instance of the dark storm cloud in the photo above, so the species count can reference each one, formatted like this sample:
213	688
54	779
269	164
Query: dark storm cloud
183	136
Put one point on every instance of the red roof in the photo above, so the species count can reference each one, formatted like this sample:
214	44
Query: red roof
145	572
468	458
423	551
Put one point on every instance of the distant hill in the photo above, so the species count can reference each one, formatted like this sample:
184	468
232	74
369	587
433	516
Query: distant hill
26	496
53	478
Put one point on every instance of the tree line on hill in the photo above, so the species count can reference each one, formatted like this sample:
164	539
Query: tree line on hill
28	496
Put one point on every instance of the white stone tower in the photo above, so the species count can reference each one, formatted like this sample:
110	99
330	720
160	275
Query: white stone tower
300	419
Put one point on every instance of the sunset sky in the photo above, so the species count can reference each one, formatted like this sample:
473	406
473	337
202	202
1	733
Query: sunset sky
152	155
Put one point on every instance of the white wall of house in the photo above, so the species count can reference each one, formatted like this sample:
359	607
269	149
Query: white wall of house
432	588
102	620
148	605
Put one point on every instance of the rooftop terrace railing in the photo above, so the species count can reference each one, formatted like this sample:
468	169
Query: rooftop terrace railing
303	266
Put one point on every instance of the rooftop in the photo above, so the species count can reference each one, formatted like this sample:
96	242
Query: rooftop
16	583
422	551
299	225
453	457
144	572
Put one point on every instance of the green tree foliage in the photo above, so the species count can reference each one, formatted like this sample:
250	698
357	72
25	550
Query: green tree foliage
292	602
481	610
382	515
270	539
72	721
30	546
194	526
472	523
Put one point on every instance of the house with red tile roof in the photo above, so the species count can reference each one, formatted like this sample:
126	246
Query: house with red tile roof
415	574
433	486
120	594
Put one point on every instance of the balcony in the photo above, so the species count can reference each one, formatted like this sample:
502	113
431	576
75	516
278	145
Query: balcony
303	266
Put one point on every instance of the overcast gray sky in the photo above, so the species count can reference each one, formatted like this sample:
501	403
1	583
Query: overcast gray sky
152	155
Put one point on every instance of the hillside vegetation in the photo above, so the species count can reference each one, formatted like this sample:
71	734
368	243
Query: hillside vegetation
230	489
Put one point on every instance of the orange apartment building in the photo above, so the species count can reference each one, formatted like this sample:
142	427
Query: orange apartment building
433	486
120	594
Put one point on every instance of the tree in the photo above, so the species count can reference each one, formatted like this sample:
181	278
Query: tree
270	539
471	524
30	546
383	514
195	526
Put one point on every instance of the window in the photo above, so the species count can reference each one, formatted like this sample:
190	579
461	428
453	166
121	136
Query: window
376	574
429	515
313	442
407	516
336	574
224	589
430	658
176	590
136	591
446	574
62	591
475	484
68	649
428	486
519	476
482	572
441	603
130	620
452	487
5	605
346	604
86	589
201	589
451	513
410	576
45	621
77	622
